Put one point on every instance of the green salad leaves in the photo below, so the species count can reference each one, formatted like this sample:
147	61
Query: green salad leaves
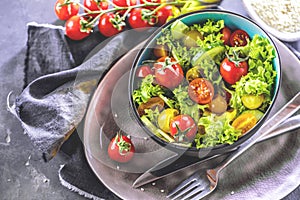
206	55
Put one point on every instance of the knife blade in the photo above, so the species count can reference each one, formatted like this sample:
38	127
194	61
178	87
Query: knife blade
192	164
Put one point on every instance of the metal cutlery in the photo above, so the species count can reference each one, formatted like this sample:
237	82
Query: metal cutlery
159	170
202	183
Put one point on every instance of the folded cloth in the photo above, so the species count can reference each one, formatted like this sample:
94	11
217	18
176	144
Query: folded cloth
77	175
59	80
52	105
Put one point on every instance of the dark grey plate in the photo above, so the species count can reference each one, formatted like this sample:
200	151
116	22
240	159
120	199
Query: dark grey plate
269	170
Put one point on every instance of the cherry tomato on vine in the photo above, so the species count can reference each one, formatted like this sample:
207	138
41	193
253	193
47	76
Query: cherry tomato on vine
110	24
75	28
138	20
183	128
95	5
239	38
121	149
168	72
201	91
226	35
66	9
163	14
232	72
144	71
152	1
124	3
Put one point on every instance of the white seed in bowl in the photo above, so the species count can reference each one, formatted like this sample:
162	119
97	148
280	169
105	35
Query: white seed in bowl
283	15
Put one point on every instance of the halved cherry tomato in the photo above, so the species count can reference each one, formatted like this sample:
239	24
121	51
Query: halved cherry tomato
110	24
183	128
239	38
226	35
66	9
121	149
144	71
201	91
244	122
168	72
75	28
138	21
232	72
95	5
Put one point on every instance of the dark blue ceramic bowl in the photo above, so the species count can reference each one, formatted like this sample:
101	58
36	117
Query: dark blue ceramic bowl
233	21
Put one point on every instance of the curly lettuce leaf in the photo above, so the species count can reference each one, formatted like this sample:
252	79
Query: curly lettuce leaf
217	131
261	76
146	90
152	115
185	104
212	38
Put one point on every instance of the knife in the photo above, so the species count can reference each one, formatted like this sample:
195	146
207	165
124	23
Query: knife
192	164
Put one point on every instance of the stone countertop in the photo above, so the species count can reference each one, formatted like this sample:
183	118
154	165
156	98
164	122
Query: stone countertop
23	172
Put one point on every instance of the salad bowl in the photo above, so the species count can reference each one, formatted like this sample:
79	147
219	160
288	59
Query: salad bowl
204	82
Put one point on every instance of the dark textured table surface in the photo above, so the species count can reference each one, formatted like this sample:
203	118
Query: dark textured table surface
23	173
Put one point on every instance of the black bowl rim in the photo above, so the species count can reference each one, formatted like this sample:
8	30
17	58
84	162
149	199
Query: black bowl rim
218	149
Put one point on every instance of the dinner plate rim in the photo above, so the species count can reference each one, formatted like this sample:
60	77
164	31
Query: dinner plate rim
91	161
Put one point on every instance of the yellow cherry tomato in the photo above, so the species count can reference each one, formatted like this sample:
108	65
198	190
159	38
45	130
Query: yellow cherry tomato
244	122
252	101
165	117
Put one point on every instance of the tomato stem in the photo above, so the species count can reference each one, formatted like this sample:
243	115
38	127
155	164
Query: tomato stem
119	8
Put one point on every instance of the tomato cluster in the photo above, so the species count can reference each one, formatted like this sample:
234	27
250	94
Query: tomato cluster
232	69
111	17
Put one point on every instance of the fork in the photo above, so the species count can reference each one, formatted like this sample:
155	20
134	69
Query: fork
202	183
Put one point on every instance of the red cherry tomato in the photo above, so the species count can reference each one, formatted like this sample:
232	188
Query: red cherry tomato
121	149
239	38
65	11
136	20
183	128
232	72
107	27
201	91
163	14
124	3
75	29
144	71
152	1
168	72
226	35
95	5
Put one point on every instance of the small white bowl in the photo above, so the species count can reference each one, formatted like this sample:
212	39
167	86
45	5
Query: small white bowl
285	36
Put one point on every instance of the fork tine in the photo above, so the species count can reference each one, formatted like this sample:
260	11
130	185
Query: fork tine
192	193
202	194
182	185
187	189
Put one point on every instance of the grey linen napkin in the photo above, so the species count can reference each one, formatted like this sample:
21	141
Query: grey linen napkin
52	105
59	82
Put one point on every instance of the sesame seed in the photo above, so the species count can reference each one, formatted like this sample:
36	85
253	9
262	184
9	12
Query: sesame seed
279	14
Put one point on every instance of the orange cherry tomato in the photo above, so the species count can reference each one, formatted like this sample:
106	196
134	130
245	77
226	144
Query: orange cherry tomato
201	91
